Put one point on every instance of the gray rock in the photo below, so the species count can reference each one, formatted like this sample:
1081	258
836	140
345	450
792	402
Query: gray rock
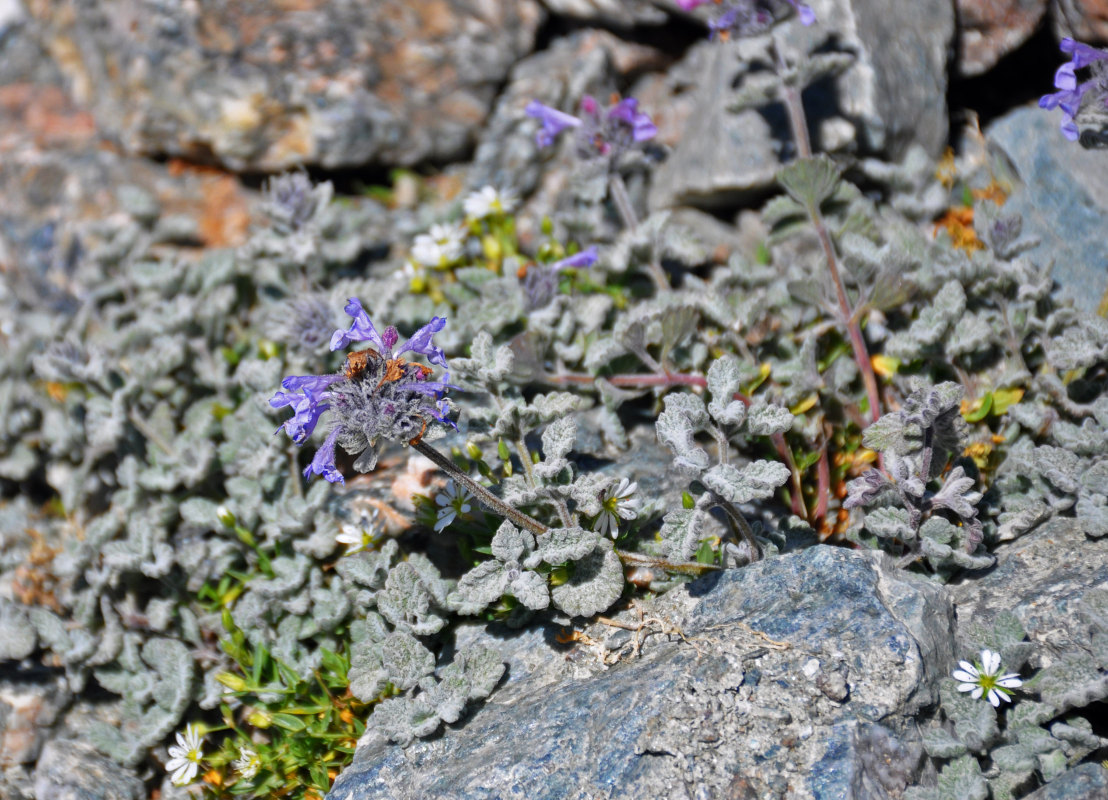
990	29
264	87
1084	20
734	707
1083	782
27	710
1062	194
720	156
612	12
69	770
1042	578
893	96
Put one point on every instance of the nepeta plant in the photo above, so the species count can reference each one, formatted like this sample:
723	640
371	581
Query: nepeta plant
603	136
904	511
376	395
725	485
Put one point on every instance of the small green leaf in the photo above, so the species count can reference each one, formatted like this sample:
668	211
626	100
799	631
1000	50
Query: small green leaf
810	181
288	722
980	409
687	501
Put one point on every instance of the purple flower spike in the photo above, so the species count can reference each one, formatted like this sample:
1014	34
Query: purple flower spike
553	122
375	395
323	463
586	258
360	330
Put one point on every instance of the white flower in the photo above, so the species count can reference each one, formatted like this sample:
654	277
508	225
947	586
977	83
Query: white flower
985	679
452	500
439	247
361	536
618	504
488	201
185	756
248	763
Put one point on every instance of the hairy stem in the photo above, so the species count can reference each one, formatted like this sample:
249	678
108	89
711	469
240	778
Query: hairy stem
798	121
739	522
618	190
480	493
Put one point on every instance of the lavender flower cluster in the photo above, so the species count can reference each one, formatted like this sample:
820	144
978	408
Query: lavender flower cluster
1071	95
377	394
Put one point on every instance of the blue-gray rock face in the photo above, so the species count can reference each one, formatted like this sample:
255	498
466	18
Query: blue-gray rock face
797	675
892	96
1046	579
1083	782
1063	198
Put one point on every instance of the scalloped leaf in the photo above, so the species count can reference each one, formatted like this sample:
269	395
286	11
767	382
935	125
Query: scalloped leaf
756	481
596	584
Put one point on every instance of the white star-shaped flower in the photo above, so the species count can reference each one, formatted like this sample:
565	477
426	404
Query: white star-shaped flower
362	536
984	678
185	756
440	247
248	763
452	501
488	201
619	503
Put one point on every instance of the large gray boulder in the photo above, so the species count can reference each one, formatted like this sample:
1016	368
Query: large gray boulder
258	85
802	671
891	97
1061	192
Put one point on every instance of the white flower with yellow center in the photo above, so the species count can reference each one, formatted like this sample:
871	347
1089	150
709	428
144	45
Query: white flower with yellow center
248	763
984	678
185	756
487	201
440	247
361	536
452	501
619	503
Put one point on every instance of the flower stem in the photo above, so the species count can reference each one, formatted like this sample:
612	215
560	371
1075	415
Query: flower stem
618	189
739	522
480	493
798	121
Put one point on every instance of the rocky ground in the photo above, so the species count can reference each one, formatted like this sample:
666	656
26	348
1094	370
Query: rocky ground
807	675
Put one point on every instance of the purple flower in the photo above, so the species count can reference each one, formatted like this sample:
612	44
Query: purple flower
626	111
307	406
553	122
749	17
362	330
600	131
586	258
1071	93
377	394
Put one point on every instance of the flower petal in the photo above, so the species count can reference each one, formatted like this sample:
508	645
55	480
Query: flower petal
360	330
323	463
990	661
